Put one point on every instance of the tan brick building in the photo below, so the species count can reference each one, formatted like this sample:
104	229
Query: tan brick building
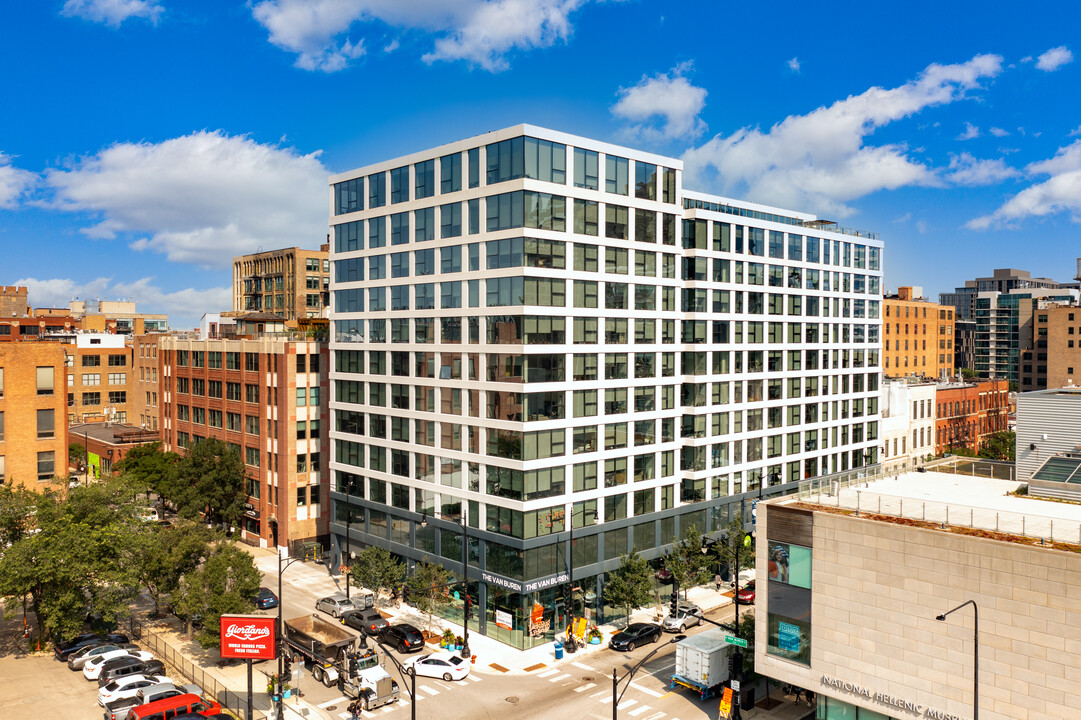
264	395
849	604
292	283
33	422
99	378
917	335
145	398
1054	360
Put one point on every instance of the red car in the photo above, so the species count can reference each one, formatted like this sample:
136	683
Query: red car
746	594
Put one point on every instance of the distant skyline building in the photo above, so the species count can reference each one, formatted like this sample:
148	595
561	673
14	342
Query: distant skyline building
291	283
917	335
1054	359
1002	280
539	335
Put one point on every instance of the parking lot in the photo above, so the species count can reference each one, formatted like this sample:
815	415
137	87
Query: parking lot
36	687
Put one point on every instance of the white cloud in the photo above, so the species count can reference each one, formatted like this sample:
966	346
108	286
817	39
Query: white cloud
1061	192
14	182
793	64
184	307
819	161
1054	58
112	12
667	97
971	131
999	132
391	46
966	170
1075	132
481	32
921	227
201	198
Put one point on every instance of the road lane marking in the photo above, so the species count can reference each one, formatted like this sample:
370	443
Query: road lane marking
626	704
582	667
547	673
585	687
639	710
557	678
646	690
667	694
657	716
598	694
430	691
474	678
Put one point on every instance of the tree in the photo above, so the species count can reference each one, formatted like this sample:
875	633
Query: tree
686	562
75	564
225	583
76	454
630	585
162	555
148	465
730	548
209	481
377	569
428	588
1000	446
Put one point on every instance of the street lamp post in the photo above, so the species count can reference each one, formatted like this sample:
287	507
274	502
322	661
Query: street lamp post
616	694
975	653
465	653
281	639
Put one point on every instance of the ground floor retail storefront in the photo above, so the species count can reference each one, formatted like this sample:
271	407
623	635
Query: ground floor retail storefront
523	587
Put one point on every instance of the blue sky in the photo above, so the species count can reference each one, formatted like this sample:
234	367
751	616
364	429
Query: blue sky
143	143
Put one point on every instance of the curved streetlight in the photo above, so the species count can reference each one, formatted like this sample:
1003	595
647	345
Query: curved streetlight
975	653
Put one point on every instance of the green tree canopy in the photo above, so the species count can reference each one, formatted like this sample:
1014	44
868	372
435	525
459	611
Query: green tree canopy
428	588
148	465
686	562
210	479
377	569
1000	446
630	585
162	555
226	583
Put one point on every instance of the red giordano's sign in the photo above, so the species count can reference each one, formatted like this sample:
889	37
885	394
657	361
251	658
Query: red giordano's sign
248	637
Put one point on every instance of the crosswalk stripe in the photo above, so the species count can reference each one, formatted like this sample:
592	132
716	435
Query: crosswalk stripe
605	700
599	693
547	673
639	710
580	666
430	691
646	690
557	678
626	704
656	716
585	687
389	708
474	678
335	701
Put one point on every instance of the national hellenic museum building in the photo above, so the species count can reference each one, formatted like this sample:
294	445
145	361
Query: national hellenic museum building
884	601
549	351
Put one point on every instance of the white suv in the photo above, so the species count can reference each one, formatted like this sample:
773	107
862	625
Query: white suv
686	616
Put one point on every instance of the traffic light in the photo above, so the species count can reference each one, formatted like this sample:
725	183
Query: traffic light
735	665
287	668
675	599
467	607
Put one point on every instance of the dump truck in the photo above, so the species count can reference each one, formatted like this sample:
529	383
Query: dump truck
702	662
336	660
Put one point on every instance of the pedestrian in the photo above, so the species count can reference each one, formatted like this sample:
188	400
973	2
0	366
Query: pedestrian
717	582
354	709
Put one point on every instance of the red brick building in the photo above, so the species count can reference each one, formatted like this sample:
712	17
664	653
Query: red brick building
968	413
264	395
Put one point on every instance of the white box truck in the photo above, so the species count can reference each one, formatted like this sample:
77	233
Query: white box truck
702	662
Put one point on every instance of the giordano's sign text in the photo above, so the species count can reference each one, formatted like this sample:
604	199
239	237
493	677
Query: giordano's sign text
890	701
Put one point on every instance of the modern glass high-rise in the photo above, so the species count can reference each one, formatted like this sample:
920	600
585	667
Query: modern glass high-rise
539	331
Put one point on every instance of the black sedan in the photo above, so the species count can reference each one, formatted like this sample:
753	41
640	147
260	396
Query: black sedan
634	635
368	621
266	599
403	637
67	648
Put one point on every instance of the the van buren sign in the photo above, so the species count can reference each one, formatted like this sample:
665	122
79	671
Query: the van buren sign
890	701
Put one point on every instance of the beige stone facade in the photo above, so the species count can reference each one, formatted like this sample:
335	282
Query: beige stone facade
292	283
877	588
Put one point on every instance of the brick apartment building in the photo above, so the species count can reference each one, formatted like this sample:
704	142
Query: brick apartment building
291	283
33	427
265	395
918	335
145	401
968	413
99	378
1054	360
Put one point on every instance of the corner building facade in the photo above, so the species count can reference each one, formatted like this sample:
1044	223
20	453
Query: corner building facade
547	339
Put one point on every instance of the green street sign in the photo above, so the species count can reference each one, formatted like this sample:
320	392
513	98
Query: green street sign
735	641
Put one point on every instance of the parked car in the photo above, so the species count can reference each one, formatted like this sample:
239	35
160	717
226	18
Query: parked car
126	687
335	605
634	635
404	637
92	668
438	665
367	620
168	701
746	594
76	661
65	649
125	666
687	615
664	576
266	599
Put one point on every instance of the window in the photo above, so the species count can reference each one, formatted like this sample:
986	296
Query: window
585	217
615	222
45	379
450	173
91	379
424	179
399	185
616	170
46	465
118	397
399	228
586	167
450	220
424	224
645	181
348	196
91	361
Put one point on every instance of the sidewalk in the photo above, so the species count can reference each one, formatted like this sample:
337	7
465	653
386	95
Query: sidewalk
491	655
